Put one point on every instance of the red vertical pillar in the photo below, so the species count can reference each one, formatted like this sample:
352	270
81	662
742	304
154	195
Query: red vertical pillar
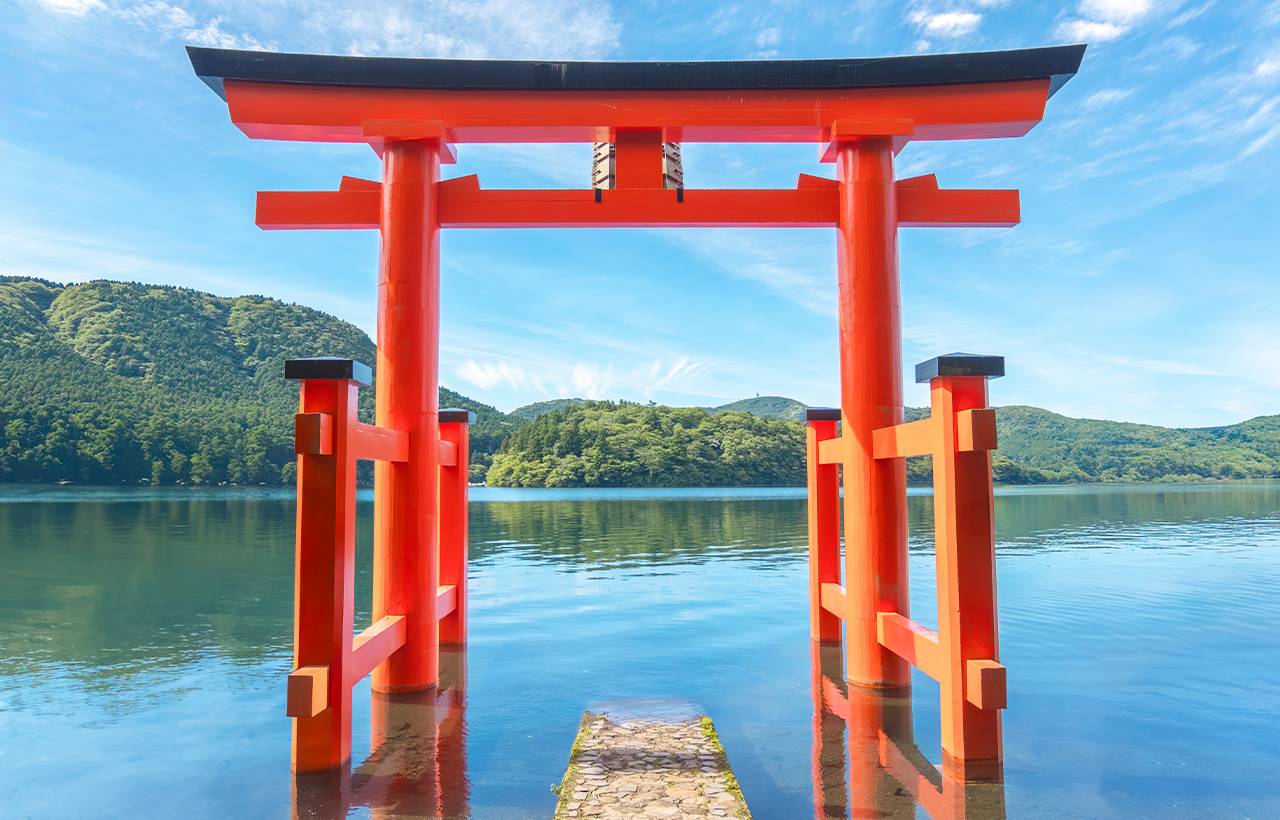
875	515
324	572
453	522
824	522
965	531
405	508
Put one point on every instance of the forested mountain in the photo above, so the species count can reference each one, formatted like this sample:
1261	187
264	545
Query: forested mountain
603	444
531	411
108	382
766	407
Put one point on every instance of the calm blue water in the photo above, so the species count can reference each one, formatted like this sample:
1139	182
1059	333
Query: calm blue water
145	637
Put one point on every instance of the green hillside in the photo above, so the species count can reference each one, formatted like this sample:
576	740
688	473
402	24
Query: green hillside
603	444
766	407
529	412
109	382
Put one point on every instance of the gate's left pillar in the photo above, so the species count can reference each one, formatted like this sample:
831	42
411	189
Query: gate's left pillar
406	505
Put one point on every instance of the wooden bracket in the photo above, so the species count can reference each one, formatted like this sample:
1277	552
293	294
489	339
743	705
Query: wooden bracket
313	434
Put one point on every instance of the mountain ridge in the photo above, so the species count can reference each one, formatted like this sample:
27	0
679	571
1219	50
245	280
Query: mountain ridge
103	382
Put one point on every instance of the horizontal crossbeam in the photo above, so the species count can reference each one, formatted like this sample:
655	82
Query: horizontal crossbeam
374	645
812	205
911	642
265	110
834	600
915	438
446	600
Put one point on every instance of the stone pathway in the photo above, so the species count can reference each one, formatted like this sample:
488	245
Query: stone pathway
648	770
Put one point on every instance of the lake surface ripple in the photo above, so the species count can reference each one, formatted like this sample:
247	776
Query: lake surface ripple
145	637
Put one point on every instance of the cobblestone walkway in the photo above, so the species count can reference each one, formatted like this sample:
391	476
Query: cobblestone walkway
648	770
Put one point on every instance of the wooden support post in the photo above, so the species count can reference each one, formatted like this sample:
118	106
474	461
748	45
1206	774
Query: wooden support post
824	522
405	560
453	522
965	532
324	572
875	511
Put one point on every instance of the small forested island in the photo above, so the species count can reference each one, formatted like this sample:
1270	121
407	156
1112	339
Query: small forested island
114	382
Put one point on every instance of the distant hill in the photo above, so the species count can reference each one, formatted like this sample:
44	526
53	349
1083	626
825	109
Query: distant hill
109	382
106	382
624	444
766	407
531	411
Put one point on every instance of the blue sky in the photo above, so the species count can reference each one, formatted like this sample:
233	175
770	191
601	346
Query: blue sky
1141	286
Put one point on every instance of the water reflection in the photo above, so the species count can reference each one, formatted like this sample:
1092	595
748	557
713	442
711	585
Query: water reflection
865	761
418	766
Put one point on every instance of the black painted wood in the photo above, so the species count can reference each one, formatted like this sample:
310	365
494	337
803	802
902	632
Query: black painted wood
1056	63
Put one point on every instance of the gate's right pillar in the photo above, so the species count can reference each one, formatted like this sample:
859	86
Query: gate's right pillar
875	515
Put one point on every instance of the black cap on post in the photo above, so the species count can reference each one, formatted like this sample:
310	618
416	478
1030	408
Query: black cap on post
329	367
960	364
455	414
822	414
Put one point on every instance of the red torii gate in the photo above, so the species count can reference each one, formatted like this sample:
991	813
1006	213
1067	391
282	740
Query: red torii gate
861	112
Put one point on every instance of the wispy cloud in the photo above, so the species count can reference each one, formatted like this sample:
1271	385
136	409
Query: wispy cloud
1104	20
76	7
512	29
165	20
515	29
1107	96
798	270
946	23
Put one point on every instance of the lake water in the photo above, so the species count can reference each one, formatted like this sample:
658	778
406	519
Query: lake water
145	637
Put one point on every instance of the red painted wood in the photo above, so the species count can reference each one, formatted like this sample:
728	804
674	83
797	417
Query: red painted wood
824	531
374	645
326	114
324	575
875	513
967	628
405	498
466	206
453	530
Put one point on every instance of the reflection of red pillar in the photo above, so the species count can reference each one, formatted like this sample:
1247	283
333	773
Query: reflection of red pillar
324	571
405	503
451	736
964	522
418	766
875	519
830	797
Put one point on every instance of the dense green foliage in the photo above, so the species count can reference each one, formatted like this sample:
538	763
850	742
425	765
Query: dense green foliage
111	382
766	407
531	411
602	444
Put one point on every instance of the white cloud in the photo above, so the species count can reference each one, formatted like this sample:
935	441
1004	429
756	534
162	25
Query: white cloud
76	7
165	20
1084	31
487	376
1267	67
948	23
1116	11
1106	97
768	37
478	29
